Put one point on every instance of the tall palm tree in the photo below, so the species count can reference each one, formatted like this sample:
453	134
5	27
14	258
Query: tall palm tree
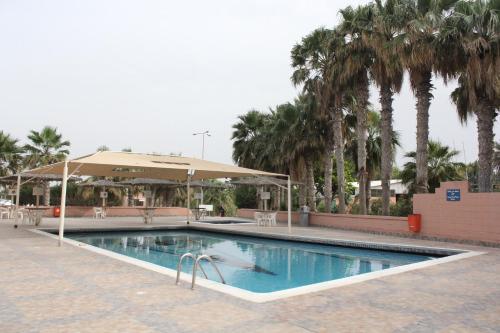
300	135
357	61
10	154
246	135
473	30
311	59
441	166
387	72
374	150
496	163
46	147
420	56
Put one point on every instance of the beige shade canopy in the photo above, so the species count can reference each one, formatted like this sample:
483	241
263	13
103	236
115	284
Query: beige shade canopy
136	165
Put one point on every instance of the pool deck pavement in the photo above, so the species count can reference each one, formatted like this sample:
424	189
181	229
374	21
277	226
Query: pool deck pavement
46	288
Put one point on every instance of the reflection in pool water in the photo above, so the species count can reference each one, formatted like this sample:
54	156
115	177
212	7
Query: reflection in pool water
254	264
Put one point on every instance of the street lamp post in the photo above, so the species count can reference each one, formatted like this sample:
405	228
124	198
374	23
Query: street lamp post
207	133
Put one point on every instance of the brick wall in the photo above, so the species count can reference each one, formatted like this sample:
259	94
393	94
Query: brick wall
83	211
387	224
372	223
475	217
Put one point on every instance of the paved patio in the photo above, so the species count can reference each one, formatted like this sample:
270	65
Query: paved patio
45	288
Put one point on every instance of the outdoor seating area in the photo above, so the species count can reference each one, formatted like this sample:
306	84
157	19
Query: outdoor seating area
265	219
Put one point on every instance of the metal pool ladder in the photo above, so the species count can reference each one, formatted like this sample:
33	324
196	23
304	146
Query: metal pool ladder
195	266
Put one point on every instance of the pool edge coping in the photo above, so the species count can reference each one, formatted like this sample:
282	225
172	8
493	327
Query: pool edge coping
275	295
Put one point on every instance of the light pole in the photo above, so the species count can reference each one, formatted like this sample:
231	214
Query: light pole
207	133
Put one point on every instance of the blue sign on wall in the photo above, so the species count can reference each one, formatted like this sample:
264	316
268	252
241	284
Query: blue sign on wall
453	194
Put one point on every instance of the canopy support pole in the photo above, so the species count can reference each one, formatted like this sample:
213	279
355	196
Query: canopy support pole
18	192
188	196
63	201
289	206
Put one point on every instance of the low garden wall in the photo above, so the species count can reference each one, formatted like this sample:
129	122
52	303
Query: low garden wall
387	224
372	223
84	211
452	213
455	213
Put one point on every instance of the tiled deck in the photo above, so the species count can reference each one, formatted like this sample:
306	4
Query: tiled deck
45	288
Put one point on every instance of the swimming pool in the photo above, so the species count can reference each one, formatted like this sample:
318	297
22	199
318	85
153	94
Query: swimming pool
254	264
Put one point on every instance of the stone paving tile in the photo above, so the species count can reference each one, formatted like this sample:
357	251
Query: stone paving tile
44	288
48	287
111	324
60	307
206	316
271	328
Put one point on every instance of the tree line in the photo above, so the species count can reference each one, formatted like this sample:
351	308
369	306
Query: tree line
378	43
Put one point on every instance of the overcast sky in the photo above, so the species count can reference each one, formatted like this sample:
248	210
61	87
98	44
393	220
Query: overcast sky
147	74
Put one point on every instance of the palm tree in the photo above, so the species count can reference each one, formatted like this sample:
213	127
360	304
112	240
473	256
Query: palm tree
473	30
46	147
246	135
496	163
373	149
357	60
299	133
420	55
387	73
311	60
441	167
10	154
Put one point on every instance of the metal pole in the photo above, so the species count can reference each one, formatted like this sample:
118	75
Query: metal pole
103	198
203	147
188	198
63	202
289	205
18	192
202	157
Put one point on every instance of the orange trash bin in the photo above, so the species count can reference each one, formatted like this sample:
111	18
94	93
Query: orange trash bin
57	211
415	222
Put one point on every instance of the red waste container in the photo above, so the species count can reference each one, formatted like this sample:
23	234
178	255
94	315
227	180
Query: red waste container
415	222
57	211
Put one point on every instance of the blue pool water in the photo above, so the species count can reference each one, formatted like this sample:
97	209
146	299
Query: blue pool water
255	264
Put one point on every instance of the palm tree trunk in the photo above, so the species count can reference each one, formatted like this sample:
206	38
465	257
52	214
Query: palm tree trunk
303	188
485	120
361	132
339	157
386	138
46	194
311	195
276	204
328	179
170	195
368	187
423	87
260	202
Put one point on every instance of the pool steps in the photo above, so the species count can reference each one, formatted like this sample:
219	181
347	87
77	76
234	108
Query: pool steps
195	266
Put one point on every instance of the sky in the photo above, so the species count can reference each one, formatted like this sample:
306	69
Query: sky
148	74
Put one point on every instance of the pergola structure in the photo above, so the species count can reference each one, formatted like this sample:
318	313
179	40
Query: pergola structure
136	165
19	179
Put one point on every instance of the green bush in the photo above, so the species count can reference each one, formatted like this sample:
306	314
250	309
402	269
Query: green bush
403	207
246	196
376	207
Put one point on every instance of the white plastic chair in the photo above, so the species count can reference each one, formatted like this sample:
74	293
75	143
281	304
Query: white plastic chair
99	213
4	212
